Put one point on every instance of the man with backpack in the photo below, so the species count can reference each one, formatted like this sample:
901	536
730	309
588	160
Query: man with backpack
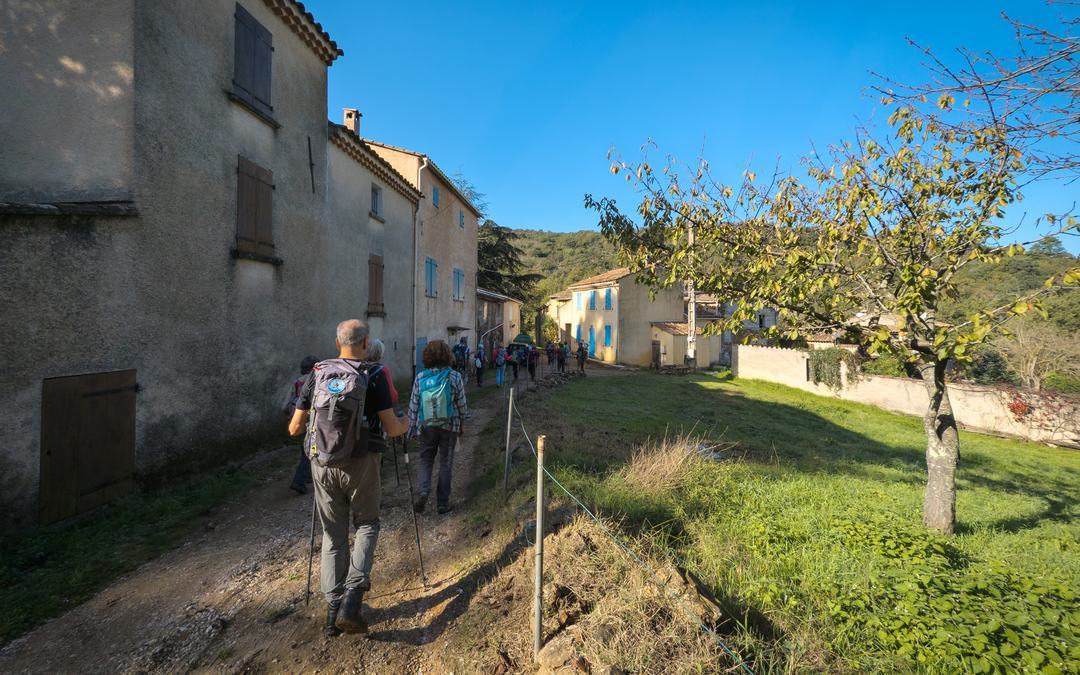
582	355
437	412
500	364
345	406
478	363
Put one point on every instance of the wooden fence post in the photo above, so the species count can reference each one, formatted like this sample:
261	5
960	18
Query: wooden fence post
538	599
506	465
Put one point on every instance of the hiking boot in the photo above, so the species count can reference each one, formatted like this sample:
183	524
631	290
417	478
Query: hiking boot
420	503
331	629
445	508
350	620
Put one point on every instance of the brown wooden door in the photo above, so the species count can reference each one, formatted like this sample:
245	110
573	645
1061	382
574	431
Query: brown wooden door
656	354
87	442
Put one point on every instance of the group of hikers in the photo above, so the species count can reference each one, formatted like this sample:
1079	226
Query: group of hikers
345	408
517	356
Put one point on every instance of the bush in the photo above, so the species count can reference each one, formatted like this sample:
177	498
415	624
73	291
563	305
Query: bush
825	366
1063	384
886	364
990	367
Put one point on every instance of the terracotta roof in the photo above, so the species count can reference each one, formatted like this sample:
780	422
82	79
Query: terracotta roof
435	167
611	276
355	147
303	23
496	296
562	295
678	327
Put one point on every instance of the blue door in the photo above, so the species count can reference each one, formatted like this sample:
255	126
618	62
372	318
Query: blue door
592	342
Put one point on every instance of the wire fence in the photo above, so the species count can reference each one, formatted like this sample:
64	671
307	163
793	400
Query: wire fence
652	575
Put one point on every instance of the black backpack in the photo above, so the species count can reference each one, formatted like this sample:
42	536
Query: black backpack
337	427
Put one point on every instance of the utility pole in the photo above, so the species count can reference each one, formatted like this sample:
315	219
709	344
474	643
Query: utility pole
691	307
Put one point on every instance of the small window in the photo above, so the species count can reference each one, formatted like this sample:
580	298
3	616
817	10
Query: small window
761	321
577	299
376	200
592	299
254	209
459	284
376	307
607	298
252	54
431	273
461	218
435	195
607	336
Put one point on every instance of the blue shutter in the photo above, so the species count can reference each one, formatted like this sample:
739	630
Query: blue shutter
461	218
607	298
578	334
577	299
592	341
607	336
435	196
592	299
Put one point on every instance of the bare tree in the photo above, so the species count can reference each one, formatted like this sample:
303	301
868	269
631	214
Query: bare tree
1036	348
1030	97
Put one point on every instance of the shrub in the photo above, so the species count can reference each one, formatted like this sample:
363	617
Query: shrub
886	364
825	366
988	366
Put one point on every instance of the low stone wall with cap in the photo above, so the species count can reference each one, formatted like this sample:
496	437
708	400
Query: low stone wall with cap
1044	418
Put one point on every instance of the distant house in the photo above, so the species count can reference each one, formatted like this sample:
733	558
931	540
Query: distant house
621	323
445	249
498	318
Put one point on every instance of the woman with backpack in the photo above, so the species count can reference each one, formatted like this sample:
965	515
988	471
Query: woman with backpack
500	364
478	363
437	411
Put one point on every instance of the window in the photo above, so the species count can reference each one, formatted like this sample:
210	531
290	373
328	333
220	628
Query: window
461	218
607	298
607	336
435	195
376	200
459	284
252	54
761	321
577	299
254	210
592	299
375	306
431	281
577	333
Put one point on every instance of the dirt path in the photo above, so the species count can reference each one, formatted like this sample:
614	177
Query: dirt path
231	597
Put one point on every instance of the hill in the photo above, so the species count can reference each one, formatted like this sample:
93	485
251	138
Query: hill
562	258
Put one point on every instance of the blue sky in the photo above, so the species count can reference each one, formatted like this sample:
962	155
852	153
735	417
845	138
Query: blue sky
527	98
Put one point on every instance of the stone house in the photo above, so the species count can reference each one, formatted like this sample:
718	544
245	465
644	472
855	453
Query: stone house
498	319
181	227
445	254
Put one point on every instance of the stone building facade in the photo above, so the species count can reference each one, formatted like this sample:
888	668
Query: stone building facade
180	228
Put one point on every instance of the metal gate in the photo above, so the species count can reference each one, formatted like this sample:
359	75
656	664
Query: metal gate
87	442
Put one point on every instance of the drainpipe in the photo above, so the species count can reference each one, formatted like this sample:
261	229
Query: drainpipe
416	260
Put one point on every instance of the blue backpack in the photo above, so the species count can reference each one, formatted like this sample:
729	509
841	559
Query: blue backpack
436	398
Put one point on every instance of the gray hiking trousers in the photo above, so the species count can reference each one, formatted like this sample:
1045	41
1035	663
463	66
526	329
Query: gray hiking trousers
348	494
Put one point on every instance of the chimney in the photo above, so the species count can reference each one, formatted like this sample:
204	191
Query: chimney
352	120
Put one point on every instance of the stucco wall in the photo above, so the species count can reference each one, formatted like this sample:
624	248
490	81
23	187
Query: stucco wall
442	238
568	313
636	311
352	228
67	120
214	339
975	407
673	348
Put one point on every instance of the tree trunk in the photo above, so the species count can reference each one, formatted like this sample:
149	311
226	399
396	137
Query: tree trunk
942	452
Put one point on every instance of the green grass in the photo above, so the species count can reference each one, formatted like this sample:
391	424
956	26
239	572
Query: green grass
48	571
813	539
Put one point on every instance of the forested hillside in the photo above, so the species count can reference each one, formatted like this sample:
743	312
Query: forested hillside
562	258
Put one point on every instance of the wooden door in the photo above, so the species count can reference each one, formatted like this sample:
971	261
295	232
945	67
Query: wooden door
656	354
87	442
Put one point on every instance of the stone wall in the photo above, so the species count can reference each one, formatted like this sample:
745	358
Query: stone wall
978	408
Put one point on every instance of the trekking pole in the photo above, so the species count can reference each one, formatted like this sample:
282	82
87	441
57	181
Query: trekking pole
311	550
416	527
393	449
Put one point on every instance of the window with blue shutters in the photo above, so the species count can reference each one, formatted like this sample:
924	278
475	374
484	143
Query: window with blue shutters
592	299
435	195
431	271
607	336
578	333
607	298
459	284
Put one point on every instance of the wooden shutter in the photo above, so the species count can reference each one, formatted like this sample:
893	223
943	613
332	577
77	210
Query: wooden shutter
244	55
263	58
246	206
254	209
375	284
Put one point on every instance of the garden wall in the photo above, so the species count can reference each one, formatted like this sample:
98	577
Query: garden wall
1043	418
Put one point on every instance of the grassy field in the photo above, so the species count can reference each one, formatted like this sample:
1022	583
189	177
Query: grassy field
810	534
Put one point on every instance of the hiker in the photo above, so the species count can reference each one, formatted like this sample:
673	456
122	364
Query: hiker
437	412
582	354
534	360
478	363
461	356
302	474
521	360
550	351
376	349
343	394
560	357
500	364
514	356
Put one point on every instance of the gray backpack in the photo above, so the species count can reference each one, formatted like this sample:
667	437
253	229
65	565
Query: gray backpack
337	428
